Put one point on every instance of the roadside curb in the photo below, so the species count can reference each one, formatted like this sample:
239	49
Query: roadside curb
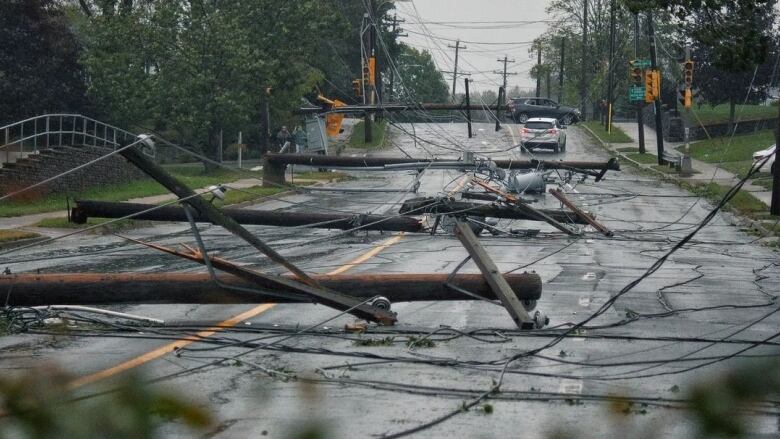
625	157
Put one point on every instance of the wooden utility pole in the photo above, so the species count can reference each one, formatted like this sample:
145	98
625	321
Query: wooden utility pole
503	72
659	128
457	48
395	30
468	108
539	71
611	73
774	208
560	74
584	62
639	105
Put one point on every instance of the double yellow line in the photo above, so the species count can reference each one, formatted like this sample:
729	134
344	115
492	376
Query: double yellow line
229	323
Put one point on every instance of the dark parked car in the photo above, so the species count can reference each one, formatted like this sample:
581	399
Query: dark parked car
523	109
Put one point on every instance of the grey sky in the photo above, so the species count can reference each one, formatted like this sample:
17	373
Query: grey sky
474	20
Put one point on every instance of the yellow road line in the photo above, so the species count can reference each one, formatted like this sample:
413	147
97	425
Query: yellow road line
233	321
368	255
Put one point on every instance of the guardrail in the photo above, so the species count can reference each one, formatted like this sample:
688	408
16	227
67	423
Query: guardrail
40	132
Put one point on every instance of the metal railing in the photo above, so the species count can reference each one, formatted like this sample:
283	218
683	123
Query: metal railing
29	136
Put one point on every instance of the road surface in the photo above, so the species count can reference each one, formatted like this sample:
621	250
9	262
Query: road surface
286	379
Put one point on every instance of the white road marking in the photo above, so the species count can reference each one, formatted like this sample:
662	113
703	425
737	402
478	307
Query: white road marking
589	276
585	301
570	387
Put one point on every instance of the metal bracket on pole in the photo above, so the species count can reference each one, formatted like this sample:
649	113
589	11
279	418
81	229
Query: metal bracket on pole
496	280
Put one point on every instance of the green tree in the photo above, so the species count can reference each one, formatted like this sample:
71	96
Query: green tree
420	80
39	70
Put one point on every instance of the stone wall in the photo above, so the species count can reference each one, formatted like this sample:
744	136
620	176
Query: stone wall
56	160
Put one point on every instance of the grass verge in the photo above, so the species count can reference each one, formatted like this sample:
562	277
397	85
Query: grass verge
615	136
379	130
192	176
734	154
743	203
720	113
9	235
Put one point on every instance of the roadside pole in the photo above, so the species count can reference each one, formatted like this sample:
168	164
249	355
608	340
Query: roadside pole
611	73
659	128
774	208
538	71
468	108
639	105
583	79
560	74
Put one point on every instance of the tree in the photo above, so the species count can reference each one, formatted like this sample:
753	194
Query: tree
420	80
200	67
39	70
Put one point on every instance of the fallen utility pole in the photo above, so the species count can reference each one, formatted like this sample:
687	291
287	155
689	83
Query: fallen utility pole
307	286
85	209
521	206
439	206
495	279
275	165
395	108
581	214
168	288
315	294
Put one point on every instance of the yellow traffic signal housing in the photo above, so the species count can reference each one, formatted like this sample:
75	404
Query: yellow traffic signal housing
687	98
649	96
652	85
688	73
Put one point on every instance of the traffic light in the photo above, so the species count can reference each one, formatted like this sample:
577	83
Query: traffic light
636	75
649	96
652	85
686	97
688	73
357	86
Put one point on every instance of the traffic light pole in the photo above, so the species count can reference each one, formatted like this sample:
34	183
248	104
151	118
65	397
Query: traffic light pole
639	105
659	128
610	79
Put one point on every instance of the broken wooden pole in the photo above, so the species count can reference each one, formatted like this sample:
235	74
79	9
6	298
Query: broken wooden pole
494	278
438	206
274	165
85	209
580	213
306	284
198	288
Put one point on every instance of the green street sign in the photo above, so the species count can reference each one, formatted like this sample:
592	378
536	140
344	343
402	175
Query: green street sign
636	93
641	63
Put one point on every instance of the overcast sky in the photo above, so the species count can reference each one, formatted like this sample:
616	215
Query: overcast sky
489	29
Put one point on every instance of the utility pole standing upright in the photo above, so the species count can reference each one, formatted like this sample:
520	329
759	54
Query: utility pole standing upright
659	128
539	71
468	108
584	61
397	32
774	207
560	74
457	48
611	73
504	73
639	105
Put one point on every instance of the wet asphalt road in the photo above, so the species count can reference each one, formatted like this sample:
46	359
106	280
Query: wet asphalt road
365	391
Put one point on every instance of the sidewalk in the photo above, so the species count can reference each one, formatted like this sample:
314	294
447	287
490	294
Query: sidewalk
705	172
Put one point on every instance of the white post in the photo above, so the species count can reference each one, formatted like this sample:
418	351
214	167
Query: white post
240	148
220	146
